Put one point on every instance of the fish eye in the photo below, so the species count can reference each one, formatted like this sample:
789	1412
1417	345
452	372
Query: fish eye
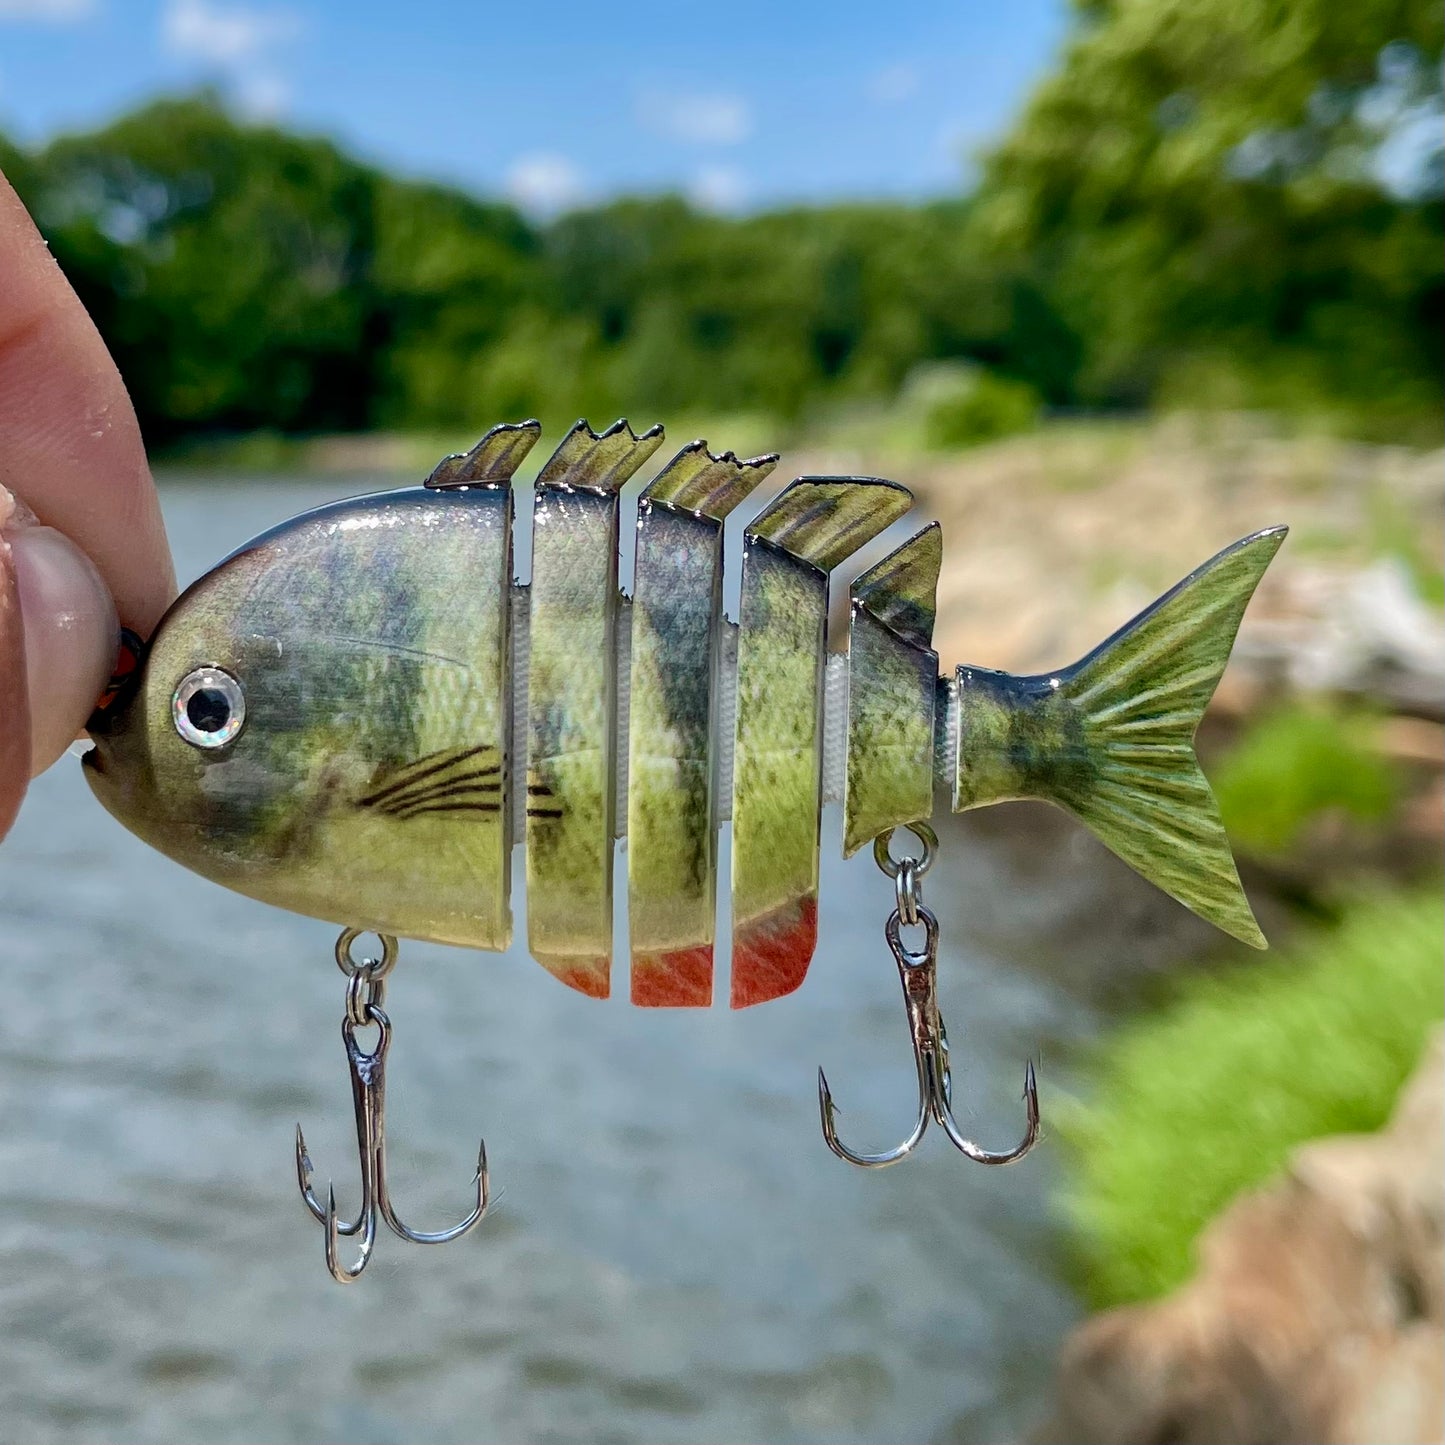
209	707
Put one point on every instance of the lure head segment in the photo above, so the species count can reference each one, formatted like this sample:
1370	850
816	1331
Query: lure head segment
186	756
320	722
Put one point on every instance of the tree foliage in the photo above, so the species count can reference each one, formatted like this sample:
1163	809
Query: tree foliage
1217	199
1253	182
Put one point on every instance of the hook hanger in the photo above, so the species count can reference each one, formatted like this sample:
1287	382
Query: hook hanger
365	988
918	973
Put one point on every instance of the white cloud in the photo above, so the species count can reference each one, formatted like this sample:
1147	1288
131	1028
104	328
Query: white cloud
224	35
718	188
264	94
714	120
58	12
894	84
242	42
545	183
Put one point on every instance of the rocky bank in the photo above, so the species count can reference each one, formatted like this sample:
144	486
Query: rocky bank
1315	1317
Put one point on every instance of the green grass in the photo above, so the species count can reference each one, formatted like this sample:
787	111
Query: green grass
1293	764
1208	1097
1396	532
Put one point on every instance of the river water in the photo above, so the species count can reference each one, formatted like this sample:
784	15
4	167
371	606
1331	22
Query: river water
674	1256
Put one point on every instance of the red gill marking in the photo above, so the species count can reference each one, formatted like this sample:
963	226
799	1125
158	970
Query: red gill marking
679	978
772	953
127	659
589	976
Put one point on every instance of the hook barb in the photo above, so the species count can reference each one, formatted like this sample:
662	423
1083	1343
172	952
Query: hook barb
304	1171
829	1111
341	1273
481	1179
918	973
999	1156
368	1093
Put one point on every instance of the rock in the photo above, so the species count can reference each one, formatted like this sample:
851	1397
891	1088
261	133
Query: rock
1317	1316
1365	634
1056	538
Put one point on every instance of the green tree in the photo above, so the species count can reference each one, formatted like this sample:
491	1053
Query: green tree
449	276
1234	201
1211	179
225	265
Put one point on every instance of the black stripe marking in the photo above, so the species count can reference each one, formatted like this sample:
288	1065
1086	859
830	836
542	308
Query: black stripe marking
418	809
429	766
447	789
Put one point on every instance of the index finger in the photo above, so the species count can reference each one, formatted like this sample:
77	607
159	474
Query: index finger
70	446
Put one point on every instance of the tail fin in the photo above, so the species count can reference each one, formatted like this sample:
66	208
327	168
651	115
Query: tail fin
1112	737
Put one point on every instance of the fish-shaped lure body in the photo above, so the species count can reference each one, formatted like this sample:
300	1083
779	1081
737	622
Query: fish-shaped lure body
358	714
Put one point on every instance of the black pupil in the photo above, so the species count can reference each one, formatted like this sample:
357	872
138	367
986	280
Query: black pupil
209	709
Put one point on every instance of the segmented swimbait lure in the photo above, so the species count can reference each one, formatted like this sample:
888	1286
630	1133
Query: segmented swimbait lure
358	714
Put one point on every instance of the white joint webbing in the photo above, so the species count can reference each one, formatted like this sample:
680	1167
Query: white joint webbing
623	717
835	728
945	768
725	717
521	662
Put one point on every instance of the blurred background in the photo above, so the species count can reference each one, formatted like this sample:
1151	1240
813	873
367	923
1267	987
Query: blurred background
1108	284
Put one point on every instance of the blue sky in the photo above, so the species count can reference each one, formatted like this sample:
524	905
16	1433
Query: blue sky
738	104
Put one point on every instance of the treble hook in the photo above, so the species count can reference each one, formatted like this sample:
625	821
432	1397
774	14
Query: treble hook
918	973
368	1096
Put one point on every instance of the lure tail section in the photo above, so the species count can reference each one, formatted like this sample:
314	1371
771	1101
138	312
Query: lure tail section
1111	738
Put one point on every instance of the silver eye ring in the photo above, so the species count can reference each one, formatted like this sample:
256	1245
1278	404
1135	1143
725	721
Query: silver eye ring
209	708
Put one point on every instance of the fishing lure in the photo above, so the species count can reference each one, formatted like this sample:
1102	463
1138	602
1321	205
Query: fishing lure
359	713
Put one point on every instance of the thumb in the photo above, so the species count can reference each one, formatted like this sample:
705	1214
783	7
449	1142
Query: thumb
58	635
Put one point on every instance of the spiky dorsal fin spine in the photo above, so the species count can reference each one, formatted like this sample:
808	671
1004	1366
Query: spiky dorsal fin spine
825	520
598	461
901	591
697	481
492	462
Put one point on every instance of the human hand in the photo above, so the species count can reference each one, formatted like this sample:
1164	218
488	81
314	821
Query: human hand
81	542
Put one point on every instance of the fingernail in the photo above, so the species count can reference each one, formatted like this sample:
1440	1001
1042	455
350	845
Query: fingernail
70	629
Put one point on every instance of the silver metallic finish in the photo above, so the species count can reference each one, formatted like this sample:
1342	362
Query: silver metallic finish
365	988
209	679
918	973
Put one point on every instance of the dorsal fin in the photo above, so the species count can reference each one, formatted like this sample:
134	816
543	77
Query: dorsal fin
491	462
598	462
901	592
696	481
824	520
